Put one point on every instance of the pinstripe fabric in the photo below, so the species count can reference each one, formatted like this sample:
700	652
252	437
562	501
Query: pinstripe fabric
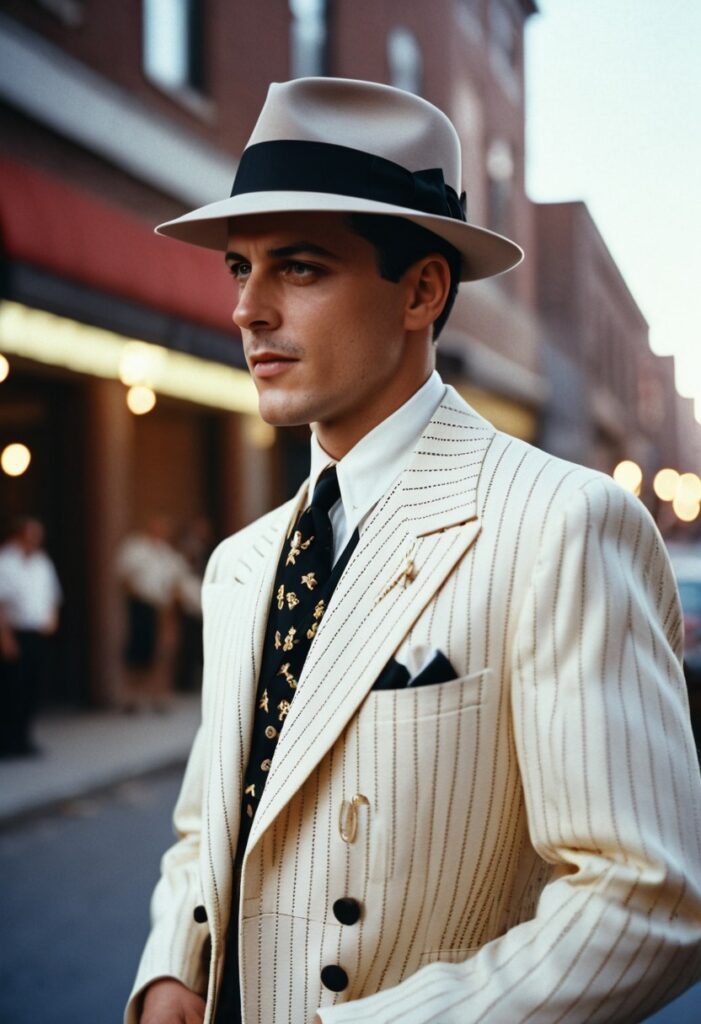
531	845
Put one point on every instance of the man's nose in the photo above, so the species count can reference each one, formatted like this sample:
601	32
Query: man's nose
256	307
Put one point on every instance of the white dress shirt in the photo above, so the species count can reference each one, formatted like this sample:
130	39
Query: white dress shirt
29	589
370	468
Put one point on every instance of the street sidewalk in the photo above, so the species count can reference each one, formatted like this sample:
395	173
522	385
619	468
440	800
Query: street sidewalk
88	751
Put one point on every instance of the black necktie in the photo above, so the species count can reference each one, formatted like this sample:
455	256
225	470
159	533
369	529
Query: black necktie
303	586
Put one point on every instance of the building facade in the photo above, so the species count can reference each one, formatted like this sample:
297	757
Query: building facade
115	117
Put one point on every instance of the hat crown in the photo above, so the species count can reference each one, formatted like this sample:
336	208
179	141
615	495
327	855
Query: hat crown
373	118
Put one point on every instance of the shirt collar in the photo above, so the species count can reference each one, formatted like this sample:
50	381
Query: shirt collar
368	470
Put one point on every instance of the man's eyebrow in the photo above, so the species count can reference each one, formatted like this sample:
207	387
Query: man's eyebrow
285	251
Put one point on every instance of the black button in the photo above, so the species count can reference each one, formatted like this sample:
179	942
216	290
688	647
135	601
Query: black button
200	915
347	910
334	977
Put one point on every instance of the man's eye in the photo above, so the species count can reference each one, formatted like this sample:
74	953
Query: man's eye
299	269
239	270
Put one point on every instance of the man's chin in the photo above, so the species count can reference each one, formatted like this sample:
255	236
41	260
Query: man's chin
283	413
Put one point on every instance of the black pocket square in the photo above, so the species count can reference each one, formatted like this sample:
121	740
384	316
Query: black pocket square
396	677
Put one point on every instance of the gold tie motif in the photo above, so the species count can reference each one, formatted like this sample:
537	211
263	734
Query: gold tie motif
285	671
319	610
297	545
283	707
281	597
264	702
310	580
311	632
289	641
292	600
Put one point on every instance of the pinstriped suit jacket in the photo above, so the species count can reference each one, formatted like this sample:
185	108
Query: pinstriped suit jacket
531	845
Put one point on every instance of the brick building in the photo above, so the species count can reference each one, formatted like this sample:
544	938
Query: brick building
115	117
611	397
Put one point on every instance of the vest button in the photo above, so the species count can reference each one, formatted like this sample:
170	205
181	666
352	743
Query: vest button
334	978
347	910
200	915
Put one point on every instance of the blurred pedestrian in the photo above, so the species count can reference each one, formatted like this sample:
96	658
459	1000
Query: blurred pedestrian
195	544
152	574
30	595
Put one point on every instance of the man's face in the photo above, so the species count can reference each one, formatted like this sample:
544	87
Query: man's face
323	334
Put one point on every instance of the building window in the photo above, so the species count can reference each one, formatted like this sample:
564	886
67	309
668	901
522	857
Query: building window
173	42
308	38
405	60
500	173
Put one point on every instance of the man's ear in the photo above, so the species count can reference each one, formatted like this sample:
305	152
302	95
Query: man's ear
428	283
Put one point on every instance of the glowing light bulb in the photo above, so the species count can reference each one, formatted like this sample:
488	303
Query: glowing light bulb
140	399
15	459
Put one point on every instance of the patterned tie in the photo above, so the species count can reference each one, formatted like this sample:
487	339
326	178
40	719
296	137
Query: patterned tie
304	583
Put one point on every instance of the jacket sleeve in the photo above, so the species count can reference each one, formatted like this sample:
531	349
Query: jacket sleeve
175	947
611	786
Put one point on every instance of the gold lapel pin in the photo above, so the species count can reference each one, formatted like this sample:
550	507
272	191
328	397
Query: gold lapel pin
405	576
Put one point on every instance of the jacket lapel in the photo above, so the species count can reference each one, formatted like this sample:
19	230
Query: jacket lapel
236	607
411	542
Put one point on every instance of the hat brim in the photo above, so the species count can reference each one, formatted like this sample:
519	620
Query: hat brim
485	253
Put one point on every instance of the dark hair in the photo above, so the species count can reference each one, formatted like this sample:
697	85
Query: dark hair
399	244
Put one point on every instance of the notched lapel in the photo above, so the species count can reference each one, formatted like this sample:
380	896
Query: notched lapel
236	609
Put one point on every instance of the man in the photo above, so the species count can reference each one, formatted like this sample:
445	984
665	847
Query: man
154	578
30	596
445	770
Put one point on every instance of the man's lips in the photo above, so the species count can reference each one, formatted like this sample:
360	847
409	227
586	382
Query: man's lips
270	364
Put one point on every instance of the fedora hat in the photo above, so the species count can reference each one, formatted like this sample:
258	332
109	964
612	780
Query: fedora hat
336	145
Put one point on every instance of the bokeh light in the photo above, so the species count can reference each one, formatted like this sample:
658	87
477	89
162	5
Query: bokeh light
685	510
665	484
689	488
629	475
140	399
15	459
4	368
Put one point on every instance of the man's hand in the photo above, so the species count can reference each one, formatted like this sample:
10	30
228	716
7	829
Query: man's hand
169	1002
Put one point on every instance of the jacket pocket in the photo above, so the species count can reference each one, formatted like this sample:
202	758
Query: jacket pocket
428	701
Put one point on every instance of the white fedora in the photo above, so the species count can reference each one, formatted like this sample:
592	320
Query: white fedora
341	145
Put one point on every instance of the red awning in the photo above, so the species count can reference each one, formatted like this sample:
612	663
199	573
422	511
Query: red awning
55	226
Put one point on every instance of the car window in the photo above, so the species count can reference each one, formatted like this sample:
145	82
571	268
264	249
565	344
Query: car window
690	593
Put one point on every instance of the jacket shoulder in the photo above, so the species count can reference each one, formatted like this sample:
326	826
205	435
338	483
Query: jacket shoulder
553	486
232	549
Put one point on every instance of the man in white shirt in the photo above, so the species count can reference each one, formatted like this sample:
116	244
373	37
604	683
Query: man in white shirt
154	578
445	770
30	595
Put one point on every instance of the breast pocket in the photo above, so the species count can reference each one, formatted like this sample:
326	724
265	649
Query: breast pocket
423	745
411	702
